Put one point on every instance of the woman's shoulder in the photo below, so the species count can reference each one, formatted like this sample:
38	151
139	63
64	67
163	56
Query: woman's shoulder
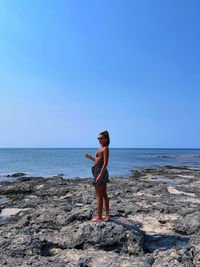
106	149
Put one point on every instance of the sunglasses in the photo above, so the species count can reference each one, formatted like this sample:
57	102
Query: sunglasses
100	138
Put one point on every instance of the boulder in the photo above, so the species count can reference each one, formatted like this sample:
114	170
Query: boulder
188	225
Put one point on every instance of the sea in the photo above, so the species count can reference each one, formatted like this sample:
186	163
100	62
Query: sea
72	163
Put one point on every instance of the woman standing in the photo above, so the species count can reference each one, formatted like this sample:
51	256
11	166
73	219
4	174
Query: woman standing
101	176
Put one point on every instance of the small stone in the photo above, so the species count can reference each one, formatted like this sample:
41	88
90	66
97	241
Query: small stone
54	251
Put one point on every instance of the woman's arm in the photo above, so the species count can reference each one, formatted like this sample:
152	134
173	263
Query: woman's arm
89	157
105	163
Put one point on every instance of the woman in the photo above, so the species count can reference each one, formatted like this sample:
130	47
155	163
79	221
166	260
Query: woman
101	176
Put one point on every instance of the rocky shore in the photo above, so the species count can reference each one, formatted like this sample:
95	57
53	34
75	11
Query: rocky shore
155	220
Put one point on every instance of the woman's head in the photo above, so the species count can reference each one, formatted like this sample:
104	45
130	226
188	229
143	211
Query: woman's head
104	138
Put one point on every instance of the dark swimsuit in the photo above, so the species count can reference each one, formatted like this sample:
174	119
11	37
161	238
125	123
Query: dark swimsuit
96	171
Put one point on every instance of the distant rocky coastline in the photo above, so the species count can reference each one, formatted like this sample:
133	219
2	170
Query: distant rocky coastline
155	220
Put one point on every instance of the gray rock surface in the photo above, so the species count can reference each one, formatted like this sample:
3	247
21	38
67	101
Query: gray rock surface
46	222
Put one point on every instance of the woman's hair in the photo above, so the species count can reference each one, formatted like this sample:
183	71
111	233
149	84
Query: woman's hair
106	135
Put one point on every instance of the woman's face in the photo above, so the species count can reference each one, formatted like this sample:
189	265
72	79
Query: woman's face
102	139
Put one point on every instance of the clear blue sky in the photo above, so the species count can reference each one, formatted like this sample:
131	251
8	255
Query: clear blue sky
71	68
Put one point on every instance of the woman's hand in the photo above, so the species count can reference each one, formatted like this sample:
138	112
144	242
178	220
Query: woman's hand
88	156
98	180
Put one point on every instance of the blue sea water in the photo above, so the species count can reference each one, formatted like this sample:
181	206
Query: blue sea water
72	163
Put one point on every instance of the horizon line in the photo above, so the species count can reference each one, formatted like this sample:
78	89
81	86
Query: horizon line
97	147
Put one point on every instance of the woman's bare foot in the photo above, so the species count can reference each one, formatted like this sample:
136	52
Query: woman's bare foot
96	219
106	217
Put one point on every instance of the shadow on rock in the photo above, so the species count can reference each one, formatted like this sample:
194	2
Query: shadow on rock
164	242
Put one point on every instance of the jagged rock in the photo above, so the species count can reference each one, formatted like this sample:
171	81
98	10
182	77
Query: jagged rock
188	225
18	174
117	235
16	188
177	257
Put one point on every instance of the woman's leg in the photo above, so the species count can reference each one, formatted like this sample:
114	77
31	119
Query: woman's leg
106	203
99	194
